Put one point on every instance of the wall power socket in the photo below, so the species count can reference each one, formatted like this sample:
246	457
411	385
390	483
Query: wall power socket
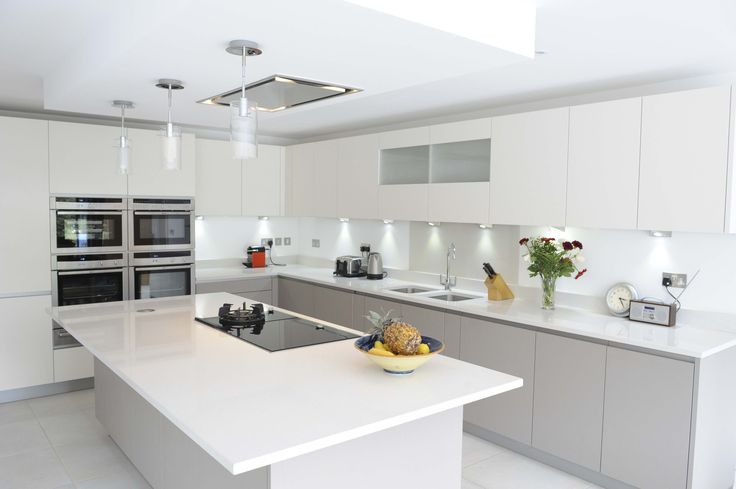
676	280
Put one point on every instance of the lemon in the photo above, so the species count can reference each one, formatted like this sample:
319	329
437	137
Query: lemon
381	352
379	345
423	349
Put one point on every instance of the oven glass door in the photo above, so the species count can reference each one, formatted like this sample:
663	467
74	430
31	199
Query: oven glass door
89	229
162	229
155	282
89	287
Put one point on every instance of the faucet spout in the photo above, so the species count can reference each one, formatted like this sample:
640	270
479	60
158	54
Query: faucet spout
449	281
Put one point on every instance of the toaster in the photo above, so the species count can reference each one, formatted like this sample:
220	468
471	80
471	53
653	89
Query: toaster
349	266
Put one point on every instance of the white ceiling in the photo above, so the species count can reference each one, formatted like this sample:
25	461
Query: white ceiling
78	55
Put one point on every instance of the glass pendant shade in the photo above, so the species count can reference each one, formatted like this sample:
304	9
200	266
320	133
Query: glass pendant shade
243	129
171	147
123	147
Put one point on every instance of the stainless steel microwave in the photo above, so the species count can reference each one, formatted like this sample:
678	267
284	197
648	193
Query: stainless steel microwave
160	224
88	224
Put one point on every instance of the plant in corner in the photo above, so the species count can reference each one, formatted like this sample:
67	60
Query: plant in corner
551	259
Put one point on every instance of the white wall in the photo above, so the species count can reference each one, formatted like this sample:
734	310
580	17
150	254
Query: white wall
228	237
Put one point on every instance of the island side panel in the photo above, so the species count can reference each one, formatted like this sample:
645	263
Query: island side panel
166	457
417	455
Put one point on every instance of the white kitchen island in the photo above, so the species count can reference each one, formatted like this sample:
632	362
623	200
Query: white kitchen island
193	407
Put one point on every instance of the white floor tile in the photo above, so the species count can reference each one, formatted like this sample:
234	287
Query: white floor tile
12	412
62	403
92	458
476	449
39	469
512	471
62	429
21	437
127	479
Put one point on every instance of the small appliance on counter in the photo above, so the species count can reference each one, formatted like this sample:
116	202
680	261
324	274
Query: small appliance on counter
349	266
498	290
255	257
375	267
647	311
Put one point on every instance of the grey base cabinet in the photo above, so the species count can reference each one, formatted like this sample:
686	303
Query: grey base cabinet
510	350
255	289
335	306
296	296
646	428
568	399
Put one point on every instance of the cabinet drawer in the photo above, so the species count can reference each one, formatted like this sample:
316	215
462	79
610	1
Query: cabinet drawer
73	363
235	286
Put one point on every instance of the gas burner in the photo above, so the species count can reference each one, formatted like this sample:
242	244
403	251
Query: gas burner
241	318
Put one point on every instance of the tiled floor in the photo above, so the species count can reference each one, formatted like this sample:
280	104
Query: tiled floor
56	443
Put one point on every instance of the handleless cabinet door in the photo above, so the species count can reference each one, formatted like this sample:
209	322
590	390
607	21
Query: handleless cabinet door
646	426
24	198
324	193
83	159
218	184
296	296
262	182
300	178
684	160
147	177
568	399
335	306
357	177
509	350
403	202
529	168
428	321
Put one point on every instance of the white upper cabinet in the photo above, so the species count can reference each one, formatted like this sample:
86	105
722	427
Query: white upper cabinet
300	179
404	174
403	202
218	179
404	138
83	159
684	153
460	131
529	168
603	164
24	197
458	202
324	193
357	177
262	182
147	177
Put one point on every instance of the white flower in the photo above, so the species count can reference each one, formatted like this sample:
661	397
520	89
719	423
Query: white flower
579	258
527	258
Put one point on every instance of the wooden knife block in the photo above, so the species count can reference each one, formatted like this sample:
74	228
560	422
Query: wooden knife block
498	290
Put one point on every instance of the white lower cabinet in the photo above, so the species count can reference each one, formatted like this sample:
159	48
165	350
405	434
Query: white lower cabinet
73	363
403	202
26	357
569	376
510	350
646	427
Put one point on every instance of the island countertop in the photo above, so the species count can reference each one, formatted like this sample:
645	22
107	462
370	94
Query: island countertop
249	408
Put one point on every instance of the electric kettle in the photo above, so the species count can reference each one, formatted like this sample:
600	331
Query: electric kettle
375	266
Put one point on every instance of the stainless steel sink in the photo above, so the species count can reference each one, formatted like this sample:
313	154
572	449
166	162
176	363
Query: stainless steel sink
452	297
411	290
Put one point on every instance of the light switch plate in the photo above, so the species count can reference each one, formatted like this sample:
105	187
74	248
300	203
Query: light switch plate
315	243
287	241
277	242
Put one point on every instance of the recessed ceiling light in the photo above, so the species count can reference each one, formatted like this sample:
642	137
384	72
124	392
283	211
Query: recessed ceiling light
280	92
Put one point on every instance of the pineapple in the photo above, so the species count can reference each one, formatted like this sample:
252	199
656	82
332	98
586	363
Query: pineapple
401	338
379	322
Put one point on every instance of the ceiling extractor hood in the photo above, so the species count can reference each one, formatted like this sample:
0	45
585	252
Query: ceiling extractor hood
280	92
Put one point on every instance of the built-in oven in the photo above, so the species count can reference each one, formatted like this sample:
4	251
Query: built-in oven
160	224
82	224
89	278
162	273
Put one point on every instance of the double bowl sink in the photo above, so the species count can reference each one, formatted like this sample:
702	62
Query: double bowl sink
441	295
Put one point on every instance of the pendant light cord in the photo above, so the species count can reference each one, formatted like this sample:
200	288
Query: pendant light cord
242	82
169	121
122	123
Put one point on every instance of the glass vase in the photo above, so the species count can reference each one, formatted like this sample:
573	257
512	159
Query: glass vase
548	292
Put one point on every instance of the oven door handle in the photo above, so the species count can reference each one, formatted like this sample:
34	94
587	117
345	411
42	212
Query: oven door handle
160	213
170	267
88	213
91	272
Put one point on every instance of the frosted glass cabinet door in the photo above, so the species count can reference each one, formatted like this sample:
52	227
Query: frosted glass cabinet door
529	168
357	177
83	159
218	182
603	167
262	182
684	160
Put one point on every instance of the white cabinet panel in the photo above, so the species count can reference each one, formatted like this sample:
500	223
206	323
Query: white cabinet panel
458	202
73	363
417	136
684	151
147	176
301	170
83	159
262	182
603	166
403	202
26	357
460	131
24	197
324	193
529	168
357	177
647	399
218	179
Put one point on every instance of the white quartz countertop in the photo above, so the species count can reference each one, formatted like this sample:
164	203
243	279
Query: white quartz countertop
697	334
249	408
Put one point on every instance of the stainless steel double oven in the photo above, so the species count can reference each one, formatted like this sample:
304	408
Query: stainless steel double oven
108	249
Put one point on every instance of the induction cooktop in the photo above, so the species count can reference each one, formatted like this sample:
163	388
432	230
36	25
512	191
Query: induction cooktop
277	331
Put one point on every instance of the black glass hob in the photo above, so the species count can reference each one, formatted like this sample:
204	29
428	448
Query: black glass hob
272	331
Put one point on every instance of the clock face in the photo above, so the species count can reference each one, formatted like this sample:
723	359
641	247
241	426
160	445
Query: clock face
618	298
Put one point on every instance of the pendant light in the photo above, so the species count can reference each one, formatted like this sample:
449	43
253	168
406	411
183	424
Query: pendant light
244	112
170	134
122	144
